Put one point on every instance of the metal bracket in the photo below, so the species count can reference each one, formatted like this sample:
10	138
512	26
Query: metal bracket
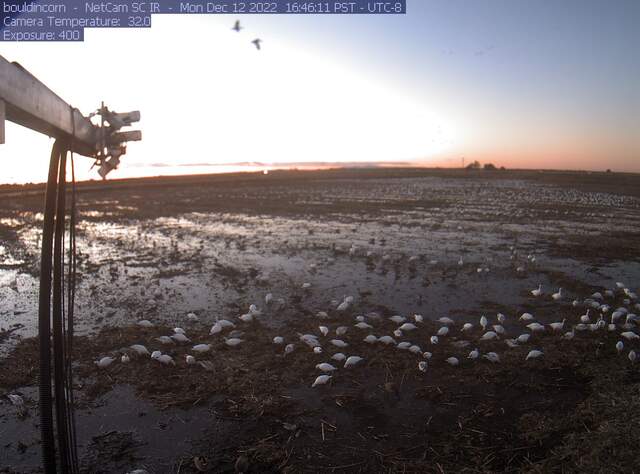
27	101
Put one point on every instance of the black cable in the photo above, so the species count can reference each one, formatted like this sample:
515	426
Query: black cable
57	313
70	313
67	328
44	317
53	315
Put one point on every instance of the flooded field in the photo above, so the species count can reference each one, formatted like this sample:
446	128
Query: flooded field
336	249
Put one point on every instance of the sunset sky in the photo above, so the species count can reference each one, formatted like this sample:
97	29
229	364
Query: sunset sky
521	83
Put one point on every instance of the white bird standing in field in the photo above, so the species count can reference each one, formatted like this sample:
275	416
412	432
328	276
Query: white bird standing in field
190	359
125	359
338	357
501	318
321	380
523	338
201	348
104	362
289	348
338	343
145	323
163	358
387	340
310	340
557	296
246	318
537	291
534	354
325	367
616	315
466	327
139	349
483	322
422	366
585	319
180	337
492	357
434	339
407	327
443	331
233	341
278	340
619	346
445	320
526	317
324	330
363	325
632	356
559	326
453	361
489	336
344	305
474	354
370	339
535	327
352	360
220	325
499	329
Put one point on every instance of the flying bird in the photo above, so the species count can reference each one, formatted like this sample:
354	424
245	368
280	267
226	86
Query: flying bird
257	42
236	26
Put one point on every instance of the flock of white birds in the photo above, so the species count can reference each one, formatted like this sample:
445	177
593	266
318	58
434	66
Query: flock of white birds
598	317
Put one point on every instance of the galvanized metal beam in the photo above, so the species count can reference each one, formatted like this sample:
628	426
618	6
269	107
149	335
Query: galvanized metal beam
30	103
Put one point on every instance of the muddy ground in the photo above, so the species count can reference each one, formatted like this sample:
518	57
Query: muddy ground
432	242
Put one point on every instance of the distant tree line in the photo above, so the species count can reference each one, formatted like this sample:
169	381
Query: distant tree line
476	165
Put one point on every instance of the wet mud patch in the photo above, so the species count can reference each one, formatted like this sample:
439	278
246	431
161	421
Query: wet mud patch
599	249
